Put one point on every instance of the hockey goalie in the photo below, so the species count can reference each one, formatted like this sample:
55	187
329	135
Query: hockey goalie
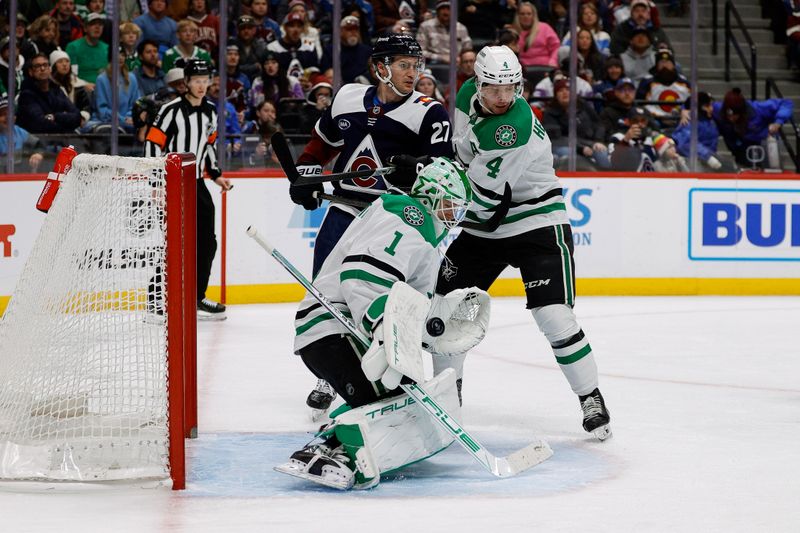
381	275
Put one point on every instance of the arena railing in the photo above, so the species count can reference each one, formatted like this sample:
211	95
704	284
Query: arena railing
730	40
771	87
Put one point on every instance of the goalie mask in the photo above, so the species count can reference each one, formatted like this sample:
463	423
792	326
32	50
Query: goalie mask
401	48
443	187
498	78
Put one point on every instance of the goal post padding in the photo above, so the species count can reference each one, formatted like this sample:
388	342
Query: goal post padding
97	363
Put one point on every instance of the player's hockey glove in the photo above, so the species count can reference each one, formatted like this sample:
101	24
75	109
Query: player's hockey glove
304	194
407	168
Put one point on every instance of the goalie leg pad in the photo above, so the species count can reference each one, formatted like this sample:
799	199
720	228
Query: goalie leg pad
393	433
570	346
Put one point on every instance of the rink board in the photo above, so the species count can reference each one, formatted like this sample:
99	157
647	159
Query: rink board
633	235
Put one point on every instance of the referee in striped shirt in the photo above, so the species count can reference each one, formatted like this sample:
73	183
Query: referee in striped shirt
189	124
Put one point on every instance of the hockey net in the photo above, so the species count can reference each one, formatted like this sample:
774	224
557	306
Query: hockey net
98	339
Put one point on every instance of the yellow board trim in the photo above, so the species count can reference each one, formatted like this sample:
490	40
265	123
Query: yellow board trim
294	292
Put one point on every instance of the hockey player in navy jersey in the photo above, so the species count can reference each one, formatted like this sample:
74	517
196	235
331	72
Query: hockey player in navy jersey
501	142
371	127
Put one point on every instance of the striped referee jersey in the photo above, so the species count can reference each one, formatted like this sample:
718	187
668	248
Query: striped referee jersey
182	127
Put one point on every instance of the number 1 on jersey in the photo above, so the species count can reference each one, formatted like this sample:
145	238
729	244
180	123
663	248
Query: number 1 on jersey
391	248
494	167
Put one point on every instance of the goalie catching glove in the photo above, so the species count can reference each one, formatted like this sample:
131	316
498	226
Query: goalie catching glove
464	313
396	349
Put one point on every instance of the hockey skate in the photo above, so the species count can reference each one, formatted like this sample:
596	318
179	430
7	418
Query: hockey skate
210	310
320	399
595	415
323	463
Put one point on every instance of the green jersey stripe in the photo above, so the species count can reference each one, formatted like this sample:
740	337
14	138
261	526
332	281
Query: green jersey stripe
577	356
365	276
566	265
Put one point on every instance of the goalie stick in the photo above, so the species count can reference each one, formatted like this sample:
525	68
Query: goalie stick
284	155
507	466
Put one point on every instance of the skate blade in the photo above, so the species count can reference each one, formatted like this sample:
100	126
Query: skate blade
203	317
298	472
603	432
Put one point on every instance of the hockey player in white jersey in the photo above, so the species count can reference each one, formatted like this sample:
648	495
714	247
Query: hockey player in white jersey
501	142
394	240
368	127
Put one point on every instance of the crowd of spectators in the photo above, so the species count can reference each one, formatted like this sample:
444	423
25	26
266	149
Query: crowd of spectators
633	101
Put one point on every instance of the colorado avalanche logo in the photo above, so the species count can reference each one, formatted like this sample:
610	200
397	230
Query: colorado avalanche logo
413	215
668	95
505	135
364	162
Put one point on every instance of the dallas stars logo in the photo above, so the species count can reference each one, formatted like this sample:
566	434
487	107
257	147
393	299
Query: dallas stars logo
413	215
505	135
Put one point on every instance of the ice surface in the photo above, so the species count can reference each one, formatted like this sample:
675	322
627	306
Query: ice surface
705	406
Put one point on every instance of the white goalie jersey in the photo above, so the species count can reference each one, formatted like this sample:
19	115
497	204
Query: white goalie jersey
395	239
510	148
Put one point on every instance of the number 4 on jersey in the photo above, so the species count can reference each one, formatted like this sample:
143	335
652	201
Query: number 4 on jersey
494	167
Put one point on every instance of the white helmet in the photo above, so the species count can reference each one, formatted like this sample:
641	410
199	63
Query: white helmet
443	187
497	65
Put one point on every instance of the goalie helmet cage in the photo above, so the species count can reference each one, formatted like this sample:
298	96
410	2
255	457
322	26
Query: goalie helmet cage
98	343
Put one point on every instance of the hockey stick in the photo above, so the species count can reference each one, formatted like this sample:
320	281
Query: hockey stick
500	212
507	466
281	149
341	200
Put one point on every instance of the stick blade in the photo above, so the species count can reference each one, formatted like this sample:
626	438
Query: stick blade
281	148
521	460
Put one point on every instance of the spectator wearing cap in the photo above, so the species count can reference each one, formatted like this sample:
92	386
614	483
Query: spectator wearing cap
4	55
666	85
638	58
613	70
640	19
96	6
70	26
129	35
42	106
252	49
238	84
354	53
310	34
89	53
127	91
387	16
617	115
591	151
588	19
744	123
149	76
538	42
24	143
176	81
157	26
207	25
466	67
21	27
634	151
273	83
75	88
484	18
266	28
543	90
186	48
434	35
707	135
265	124
319	99
43	38
292	53
427	85
668	158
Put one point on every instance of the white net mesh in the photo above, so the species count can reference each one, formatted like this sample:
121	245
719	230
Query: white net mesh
83	360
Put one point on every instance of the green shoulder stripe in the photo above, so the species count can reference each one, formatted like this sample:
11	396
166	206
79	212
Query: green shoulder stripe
464	96
509	130
414	215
